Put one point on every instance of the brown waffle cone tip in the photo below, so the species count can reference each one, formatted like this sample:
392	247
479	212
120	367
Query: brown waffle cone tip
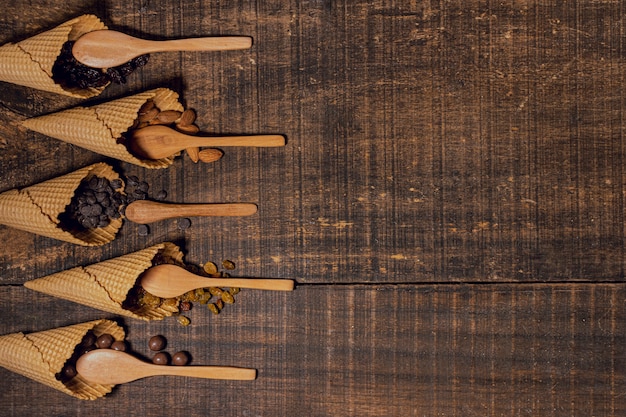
29	62
99	128
36	208
106	285
41	355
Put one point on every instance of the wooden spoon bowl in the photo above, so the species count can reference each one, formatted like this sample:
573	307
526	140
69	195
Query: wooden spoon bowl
108	48
111	367
168	281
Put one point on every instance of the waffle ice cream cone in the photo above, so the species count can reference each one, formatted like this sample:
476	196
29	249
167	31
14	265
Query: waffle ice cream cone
36	209
106	285
41	355
99	128
29	62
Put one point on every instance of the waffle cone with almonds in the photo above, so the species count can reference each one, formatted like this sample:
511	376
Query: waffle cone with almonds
99	128
106	285
36	209
29	62
41	355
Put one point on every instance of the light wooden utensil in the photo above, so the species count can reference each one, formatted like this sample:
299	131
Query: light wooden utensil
107	366
169	281
158	141
108	48
146	211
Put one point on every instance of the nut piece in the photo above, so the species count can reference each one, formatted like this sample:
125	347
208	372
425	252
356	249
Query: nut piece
187	118
210	155
168	116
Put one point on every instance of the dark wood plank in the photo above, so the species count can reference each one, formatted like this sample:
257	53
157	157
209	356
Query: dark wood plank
462	159
367	350
440	141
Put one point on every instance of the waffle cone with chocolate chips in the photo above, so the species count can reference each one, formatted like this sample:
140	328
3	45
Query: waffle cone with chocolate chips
39	208
30	62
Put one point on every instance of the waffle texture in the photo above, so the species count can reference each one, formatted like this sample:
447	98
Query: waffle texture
36	208
29	62
105	285
41	355
99	128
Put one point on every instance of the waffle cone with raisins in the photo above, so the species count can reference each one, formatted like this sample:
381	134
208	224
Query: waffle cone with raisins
37	208
100	128
30	61
41	356
109	285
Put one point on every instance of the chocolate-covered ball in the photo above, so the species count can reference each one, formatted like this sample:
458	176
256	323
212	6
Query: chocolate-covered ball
69	371
119	345
161	358
157	343
180	358
89	339
104	341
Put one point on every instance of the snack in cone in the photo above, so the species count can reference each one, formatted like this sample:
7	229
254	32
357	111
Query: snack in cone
29	62
109	285
41	356
36	209
99	128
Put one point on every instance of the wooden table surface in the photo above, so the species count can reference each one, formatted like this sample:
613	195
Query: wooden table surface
450	202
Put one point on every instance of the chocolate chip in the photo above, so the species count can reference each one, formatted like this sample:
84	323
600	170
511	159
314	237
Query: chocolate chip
183	224
161	195
133	181
143	230
116	184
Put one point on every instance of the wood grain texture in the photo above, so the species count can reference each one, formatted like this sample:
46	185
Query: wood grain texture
451	196
453	141
367	350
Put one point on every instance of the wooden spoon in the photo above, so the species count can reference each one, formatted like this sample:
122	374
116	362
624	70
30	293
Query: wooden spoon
108	48
146	211
107	366
158	141
169	281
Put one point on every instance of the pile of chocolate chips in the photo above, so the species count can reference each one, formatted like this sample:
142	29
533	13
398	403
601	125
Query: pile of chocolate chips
70	73
97	201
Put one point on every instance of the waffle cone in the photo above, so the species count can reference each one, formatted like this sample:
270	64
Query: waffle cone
41	355
36	208
100	127
106	285
29	62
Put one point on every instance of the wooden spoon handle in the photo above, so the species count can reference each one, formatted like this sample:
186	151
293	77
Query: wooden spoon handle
261	141
145	211
208	372
251	283
214	43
